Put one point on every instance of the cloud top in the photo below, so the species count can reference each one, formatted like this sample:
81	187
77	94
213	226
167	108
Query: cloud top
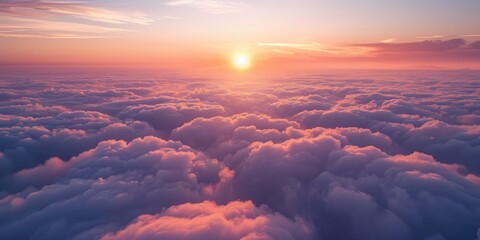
363	155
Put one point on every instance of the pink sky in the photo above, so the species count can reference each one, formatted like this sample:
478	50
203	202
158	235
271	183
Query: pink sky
203	34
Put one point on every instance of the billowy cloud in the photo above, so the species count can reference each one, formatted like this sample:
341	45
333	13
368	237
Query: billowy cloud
357	155
207	220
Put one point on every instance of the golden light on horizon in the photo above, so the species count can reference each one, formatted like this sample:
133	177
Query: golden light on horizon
241	61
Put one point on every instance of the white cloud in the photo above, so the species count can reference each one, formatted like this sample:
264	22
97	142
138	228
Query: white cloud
212	6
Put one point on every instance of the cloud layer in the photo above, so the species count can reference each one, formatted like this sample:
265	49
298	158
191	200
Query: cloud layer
357	155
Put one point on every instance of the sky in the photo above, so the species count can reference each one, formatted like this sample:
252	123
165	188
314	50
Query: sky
204	34
240	120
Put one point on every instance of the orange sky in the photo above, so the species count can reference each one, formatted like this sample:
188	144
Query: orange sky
204	34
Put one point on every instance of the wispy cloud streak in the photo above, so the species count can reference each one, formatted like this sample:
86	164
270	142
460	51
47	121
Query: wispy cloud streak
456	48
212	6
59	19
318	48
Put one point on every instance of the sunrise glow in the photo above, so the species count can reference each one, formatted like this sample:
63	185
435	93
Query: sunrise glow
241	61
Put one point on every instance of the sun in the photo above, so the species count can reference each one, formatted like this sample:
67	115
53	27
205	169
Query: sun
241	61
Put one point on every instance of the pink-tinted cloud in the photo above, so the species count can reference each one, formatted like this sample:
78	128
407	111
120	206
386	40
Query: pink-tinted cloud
475	45
441	49
207	220
146	175
447	50
423	46
363	155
